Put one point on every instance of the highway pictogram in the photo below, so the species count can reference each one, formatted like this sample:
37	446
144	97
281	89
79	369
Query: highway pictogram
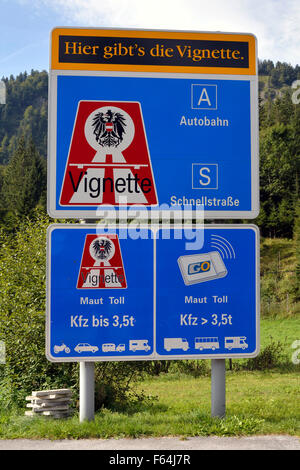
109	161
101	265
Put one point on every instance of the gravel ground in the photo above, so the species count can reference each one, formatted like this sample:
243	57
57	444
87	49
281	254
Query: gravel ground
273	442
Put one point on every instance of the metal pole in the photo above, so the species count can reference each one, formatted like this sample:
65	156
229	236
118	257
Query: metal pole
218	388
86	387
87	391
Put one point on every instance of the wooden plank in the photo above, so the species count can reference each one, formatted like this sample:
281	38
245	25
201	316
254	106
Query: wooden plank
53	414
54	403
38	408
57	392
49	400
57	414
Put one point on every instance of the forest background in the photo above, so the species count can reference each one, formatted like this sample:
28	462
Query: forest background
23	147
24	219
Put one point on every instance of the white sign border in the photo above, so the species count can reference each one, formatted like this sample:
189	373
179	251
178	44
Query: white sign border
177	214
154	355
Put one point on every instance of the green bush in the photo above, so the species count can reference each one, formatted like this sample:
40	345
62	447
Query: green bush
22	315
270	357
114	384
22	326
194	367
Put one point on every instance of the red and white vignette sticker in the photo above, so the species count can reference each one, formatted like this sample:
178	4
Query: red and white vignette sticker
109	161
101	264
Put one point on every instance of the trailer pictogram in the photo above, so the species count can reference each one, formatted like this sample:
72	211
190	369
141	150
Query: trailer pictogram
109	161
101	265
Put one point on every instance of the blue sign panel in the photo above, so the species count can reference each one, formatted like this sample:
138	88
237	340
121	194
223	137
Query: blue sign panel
125	294
208	297
100	294
192	143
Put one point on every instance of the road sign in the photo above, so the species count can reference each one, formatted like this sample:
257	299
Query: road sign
211	295
100	294
109	157
150	119
101	265
120	294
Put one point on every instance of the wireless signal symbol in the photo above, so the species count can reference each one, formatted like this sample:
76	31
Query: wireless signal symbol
224	247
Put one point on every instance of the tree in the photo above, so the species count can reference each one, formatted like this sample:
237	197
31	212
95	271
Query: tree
22	326
297	242
25	112
24	182
34	126
278	179
22	315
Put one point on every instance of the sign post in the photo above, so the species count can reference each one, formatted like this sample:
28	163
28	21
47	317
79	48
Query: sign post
155	120
87	391
218	388
86	388
161	293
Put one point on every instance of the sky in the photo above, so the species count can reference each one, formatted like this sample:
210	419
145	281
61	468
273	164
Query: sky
25	25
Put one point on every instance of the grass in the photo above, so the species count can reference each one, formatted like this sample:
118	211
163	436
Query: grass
283	330
257	403
278	280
